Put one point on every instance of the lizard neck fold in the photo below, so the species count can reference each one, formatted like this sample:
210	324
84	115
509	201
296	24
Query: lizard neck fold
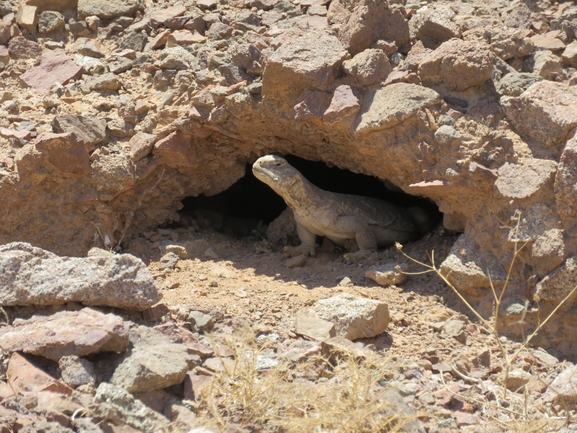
302	194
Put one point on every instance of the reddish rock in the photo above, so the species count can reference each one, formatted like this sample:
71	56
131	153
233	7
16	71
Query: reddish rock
11	133
55	67
457	65
140	145
66	333
194	384
313	105
186	37
23	376
159	40
65	152
368	67
173	149
161	16
345	103
548	42
373	20
546	111
22	48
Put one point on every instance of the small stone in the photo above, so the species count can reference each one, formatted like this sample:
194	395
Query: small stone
454	329
335	346
354	317
194	385
168	261
200	321
369	67
76	371
22	48
309	325
389	274
23	376
344	103
569	56
446	134
50	21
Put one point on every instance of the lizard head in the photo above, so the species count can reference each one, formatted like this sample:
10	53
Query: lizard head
275	171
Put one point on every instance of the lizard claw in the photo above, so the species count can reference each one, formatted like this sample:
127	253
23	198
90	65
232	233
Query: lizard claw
304	250
350	258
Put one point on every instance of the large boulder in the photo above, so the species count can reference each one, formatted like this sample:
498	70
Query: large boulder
309	61
391	105
373	20
457	65
66	333
32	276
545	112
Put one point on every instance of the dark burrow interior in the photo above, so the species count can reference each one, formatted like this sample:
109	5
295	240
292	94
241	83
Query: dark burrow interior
249	203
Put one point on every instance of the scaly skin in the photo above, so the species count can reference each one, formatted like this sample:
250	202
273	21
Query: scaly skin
372	223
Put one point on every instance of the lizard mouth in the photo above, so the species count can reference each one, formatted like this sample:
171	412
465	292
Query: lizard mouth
262	173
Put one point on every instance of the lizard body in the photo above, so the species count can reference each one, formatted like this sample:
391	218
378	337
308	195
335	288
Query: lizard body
371	222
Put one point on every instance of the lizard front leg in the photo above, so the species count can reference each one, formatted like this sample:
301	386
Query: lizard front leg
363	235
307	246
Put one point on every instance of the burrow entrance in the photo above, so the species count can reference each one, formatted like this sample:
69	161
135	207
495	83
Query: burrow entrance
249	204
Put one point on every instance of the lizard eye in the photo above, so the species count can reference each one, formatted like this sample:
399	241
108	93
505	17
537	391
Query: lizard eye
278	164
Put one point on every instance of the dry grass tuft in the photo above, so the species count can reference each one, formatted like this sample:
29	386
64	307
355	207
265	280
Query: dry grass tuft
312	396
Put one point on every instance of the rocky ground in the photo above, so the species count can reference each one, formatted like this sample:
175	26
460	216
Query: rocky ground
113	112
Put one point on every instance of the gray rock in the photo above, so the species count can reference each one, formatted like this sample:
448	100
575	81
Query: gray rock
168	261
517	379
514	84
390	105
200	321
134	41
131	410
311	326
536	112
175	58
353	316
446	134
388	275
76	371
32	276
106	82
50	21
66	333
108	9
90	129
148	368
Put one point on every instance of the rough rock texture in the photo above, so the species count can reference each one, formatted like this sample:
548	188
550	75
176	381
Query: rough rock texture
133	412
307	80
55	67
354	317
32	276
373	20
66	333
457	65
546	111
